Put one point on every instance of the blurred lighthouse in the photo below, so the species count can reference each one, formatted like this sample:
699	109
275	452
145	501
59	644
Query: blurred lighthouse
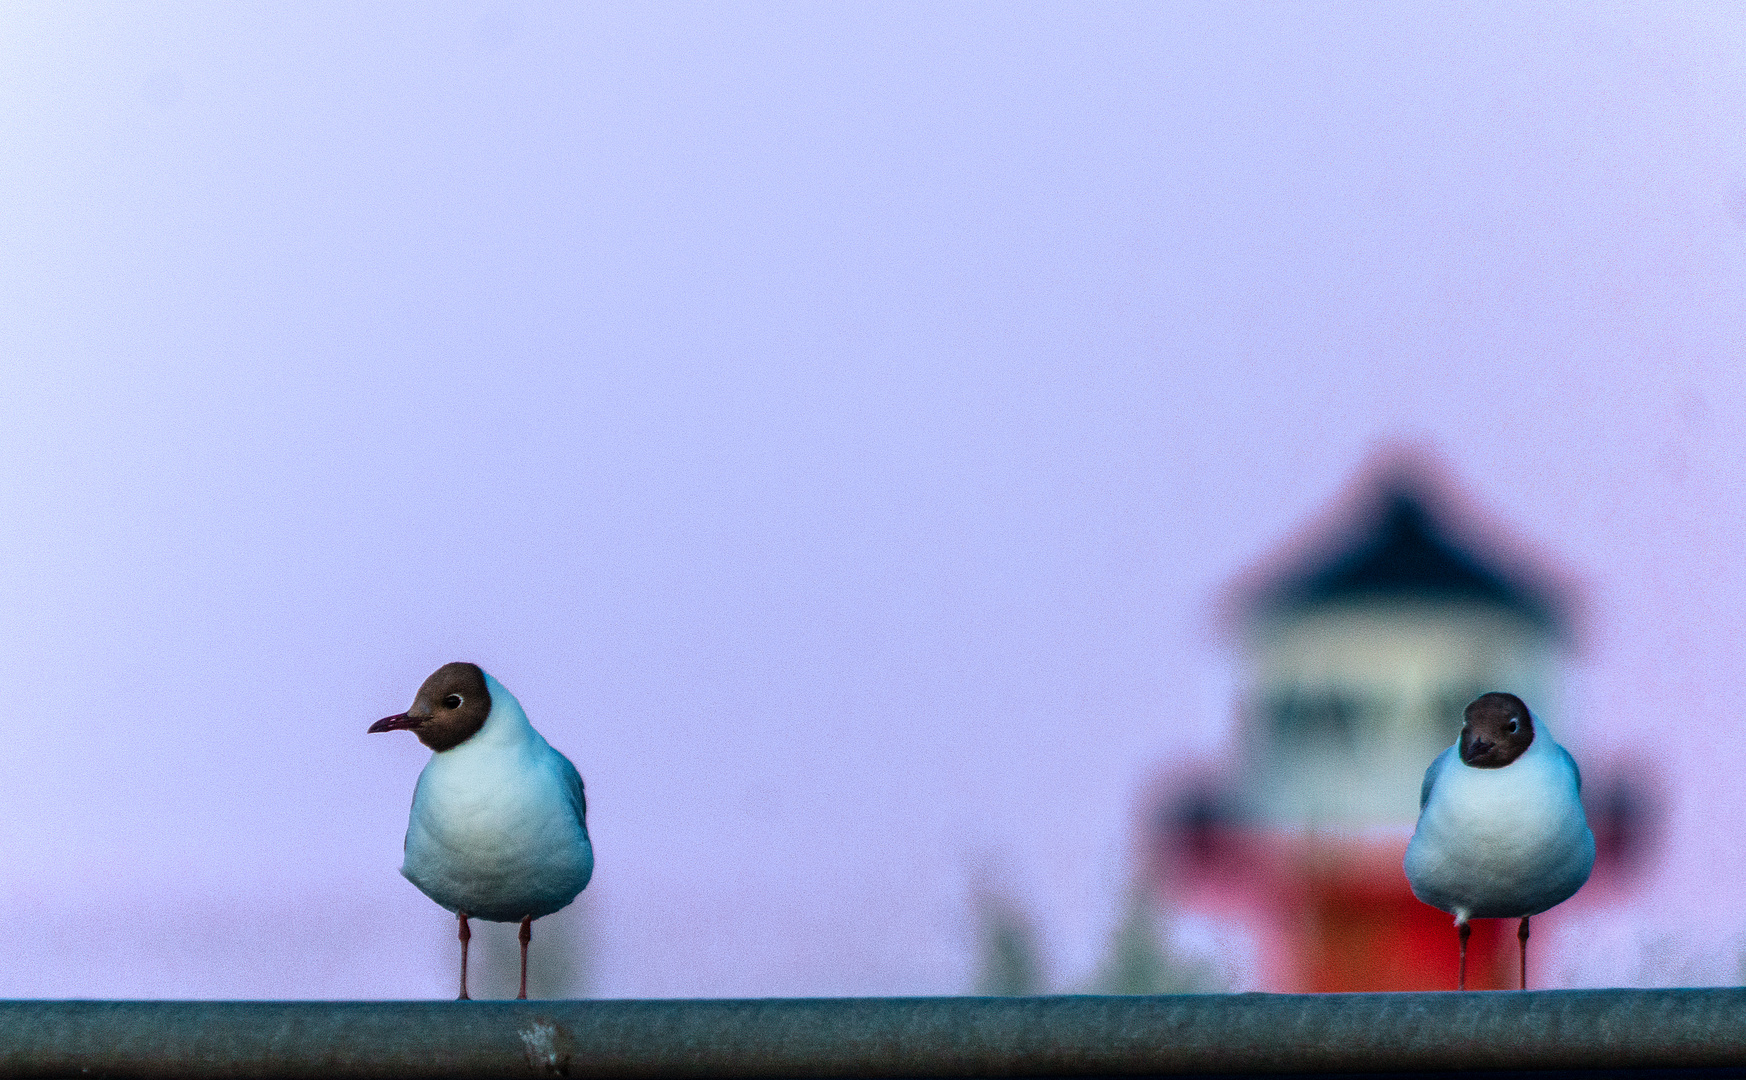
1361	649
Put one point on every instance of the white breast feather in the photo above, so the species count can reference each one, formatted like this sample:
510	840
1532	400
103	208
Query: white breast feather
1501	843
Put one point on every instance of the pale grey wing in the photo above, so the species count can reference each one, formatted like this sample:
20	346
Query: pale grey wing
1574	770
1431	775
573	788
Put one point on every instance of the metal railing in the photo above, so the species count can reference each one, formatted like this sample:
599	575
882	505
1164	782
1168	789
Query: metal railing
1566	1030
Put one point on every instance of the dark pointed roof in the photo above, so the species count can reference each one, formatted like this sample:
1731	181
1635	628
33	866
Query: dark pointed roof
1401	552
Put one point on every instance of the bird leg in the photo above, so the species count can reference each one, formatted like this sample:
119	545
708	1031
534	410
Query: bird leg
1461	932
466	936
526	936
1522	936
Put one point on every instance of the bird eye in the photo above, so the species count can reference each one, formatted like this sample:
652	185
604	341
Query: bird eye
453	701
1510	727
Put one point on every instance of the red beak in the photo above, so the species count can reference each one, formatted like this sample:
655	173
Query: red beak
398	722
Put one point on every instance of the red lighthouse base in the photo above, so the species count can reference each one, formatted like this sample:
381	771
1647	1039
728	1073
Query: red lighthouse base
1338	913
1365	931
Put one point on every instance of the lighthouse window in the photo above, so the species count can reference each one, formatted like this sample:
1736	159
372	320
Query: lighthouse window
1309	714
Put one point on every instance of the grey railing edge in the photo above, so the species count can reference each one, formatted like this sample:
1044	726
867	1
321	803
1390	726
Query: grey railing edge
892	1038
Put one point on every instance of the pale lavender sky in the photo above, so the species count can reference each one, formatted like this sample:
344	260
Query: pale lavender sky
835	424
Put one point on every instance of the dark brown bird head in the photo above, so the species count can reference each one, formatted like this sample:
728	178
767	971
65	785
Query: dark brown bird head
1498	729
451	705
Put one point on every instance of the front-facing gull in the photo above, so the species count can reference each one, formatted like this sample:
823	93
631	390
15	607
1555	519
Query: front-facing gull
497	829
1501	831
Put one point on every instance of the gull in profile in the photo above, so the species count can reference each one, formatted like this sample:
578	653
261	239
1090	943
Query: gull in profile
497	830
